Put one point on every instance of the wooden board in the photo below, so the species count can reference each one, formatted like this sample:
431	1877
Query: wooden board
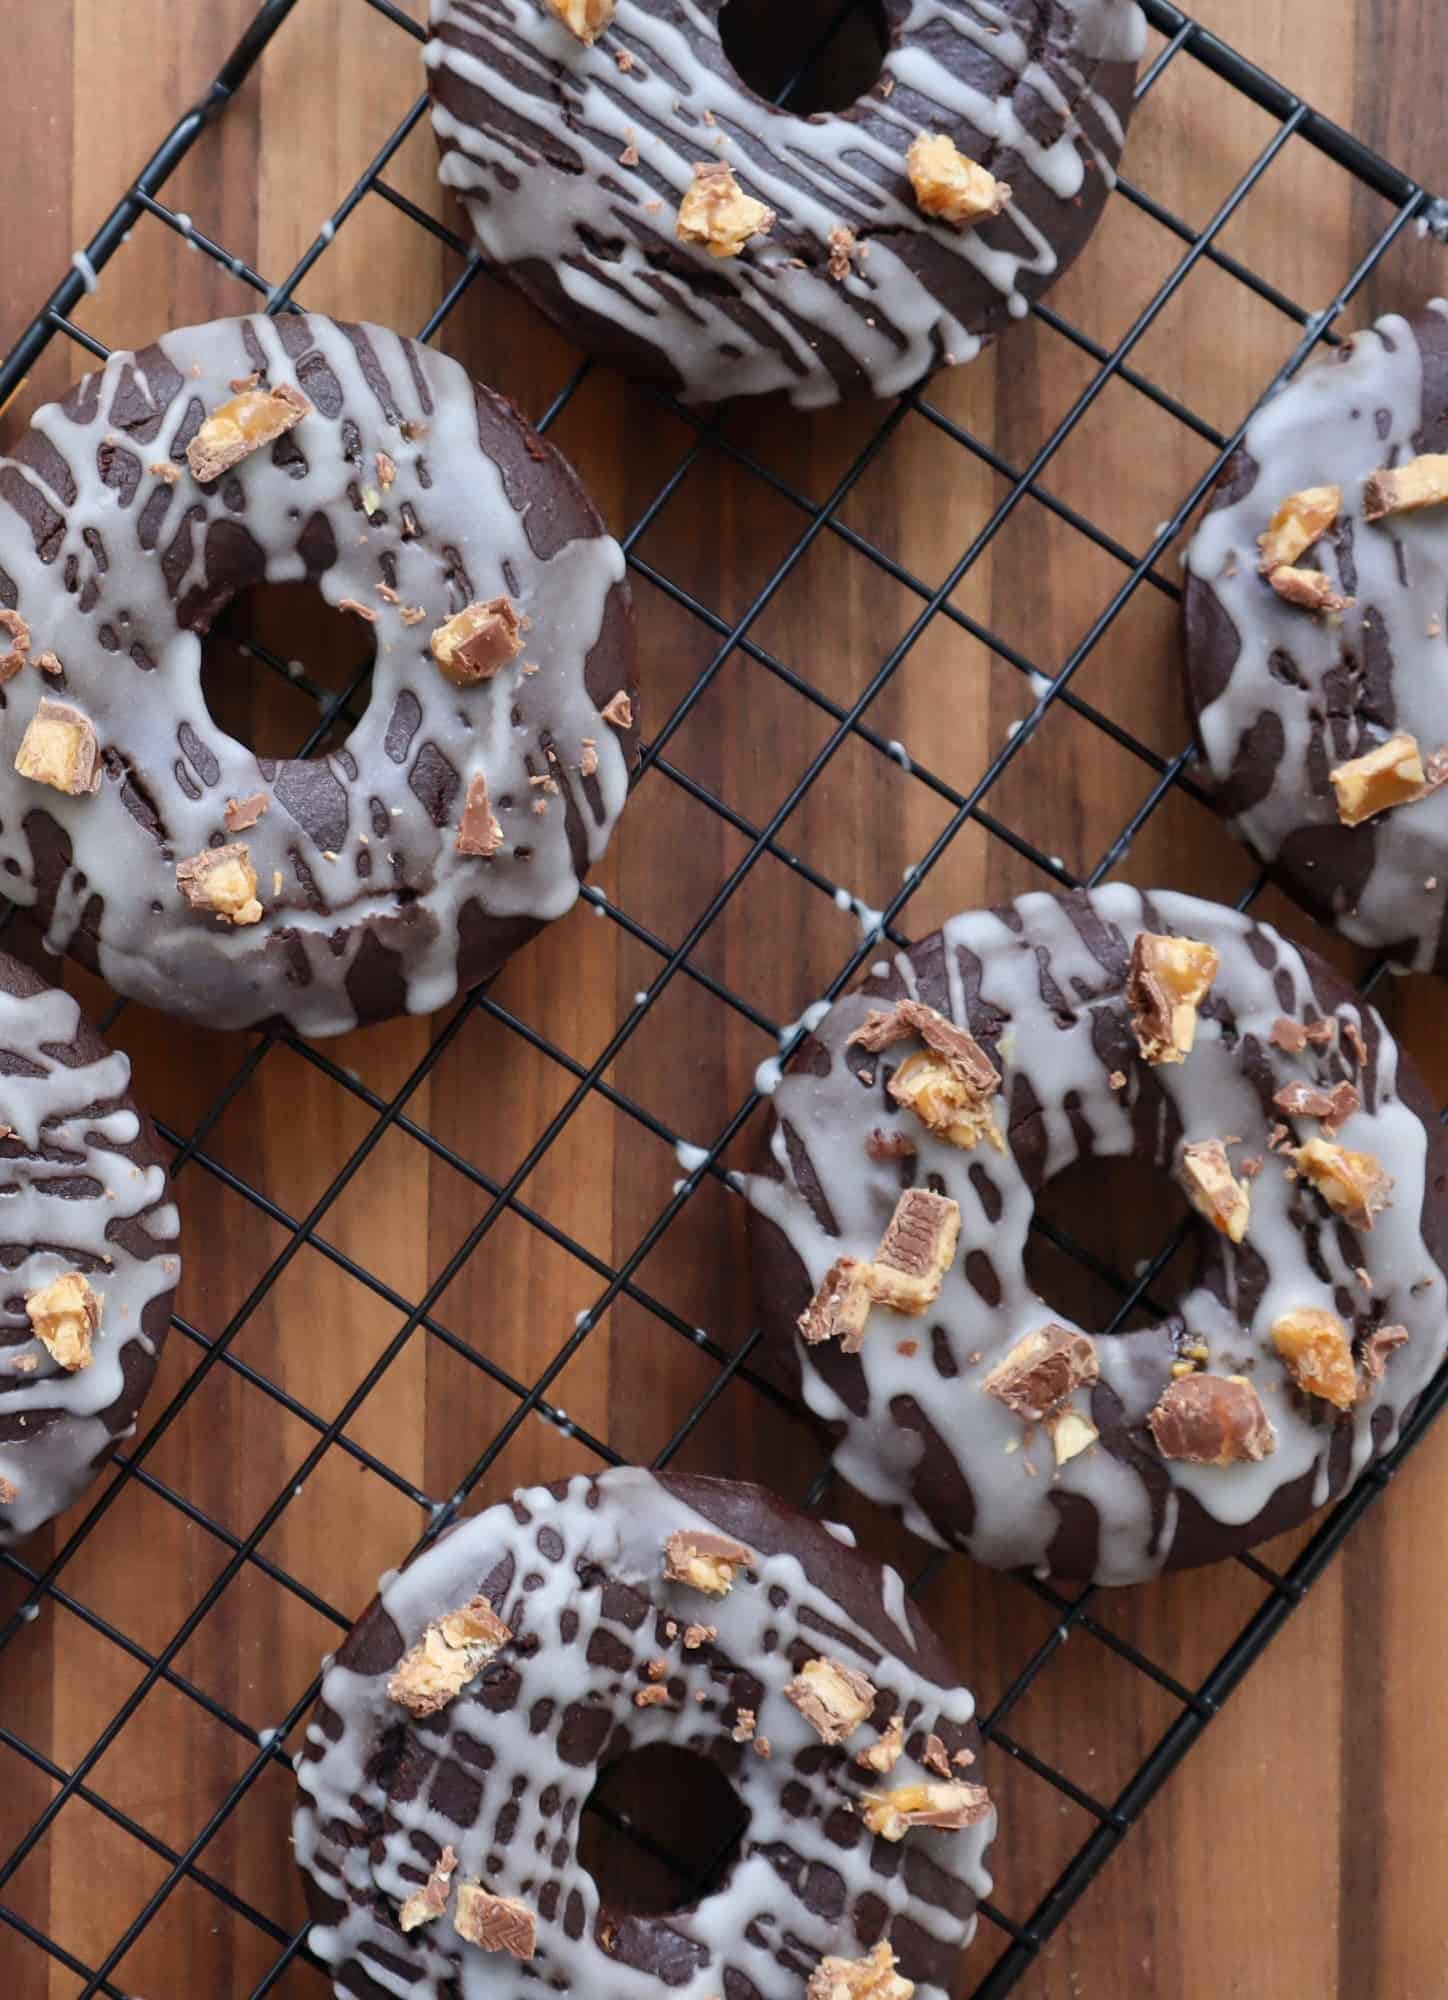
1301	1849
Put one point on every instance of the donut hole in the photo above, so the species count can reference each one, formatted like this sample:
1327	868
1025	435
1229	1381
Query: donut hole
813	55
661	1830
278	661
1097	1225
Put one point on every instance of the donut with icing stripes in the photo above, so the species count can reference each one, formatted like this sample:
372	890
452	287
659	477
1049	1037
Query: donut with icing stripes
88	1250
574	158
467	1716
912	1134
487	770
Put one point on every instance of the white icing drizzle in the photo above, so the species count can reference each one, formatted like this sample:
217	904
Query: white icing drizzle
150	945
815	172
1334	425
41	1099
744	1925
1212	1097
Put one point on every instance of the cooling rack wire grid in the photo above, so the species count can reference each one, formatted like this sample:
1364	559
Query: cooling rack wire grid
381	1111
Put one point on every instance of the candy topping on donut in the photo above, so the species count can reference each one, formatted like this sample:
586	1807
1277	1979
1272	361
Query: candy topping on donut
1212	1420
833	1699
65	1313
495	1923
717	215
452	1651
585	18
233	432
950	1804
477	642
704	1562
1167	981
870	1978
59	749
1402	489
223	881
951	187
426	1904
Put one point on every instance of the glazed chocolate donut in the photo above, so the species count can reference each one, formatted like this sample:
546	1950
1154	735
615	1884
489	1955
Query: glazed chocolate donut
1317	661
467	1716
493	757
911	1137
575	158
88	1251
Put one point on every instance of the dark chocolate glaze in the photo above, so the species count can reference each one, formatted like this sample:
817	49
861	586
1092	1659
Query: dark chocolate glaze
532	124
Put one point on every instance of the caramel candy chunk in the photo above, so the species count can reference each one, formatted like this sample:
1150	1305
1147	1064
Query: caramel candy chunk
1305	1100
870	1978
618	710
1166	982
1071	1434
1392	775
1214	1190
916	1251
1355	1186
1309	589
935	1756
833	1699
59	748
953	1804
1212	1420
1317	1354
1378	1349
840	1307
495	1923
429	1902
1043	1371
452	1651
1422	482
478	831
65	1313
8	1491
233	432
14	660
243	813
717	215
585	18
949	1089
222	880
1299	522
948	185
884	1755
477	641
704	1561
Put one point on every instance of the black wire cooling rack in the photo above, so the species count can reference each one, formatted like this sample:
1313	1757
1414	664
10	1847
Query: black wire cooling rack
1018	1938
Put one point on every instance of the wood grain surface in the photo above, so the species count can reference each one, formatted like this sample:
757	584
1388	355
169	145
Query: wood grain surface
1300	1851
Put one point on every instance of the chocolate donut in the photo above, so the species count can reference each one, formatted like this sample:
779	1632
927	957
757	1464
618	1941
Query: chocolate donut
911	1137
1317	661
88	1251
803	258
493	756
466	1718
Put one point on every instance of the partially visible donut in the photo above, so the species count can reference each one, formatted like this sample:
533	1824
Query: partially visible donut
468	1714
989	1058
573	160
1298	696
488	769
87	1248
